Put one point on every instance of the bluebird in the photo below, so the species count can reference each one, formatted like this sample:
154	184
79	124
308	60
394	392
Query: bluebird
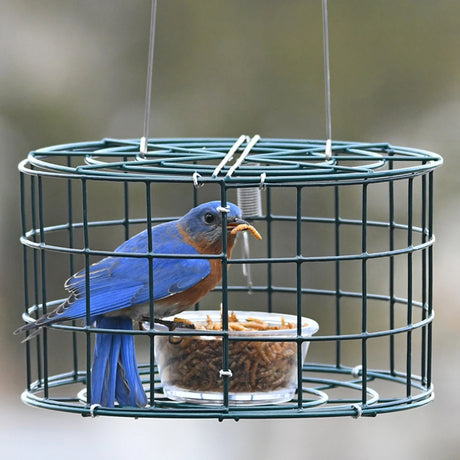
119	293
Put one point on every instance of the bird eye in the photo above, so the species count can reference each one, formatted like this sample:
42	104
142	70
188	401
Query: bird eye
209	218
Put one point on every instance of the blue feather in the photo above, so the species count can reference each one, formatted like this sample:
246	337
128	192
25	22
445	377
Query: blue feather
120	282
129	390
104	365
114	374
102	301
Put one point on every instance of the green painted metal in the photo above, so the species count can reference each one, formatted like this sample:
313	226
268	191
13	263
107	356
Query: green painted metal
315	401
284	161
276	165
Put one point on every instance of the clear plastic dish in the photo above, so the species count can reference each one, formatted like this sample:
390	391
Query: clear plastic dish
262	372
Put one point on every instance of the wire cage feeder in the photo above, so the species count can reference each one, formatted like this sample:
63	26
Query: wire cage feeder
346	241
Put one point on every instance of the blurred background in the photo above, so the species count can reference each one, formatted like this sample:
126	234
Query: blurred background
75	71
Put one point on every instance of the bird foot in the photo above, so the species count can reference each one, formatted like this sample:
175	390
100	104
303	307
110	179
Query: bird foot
172	325
175	323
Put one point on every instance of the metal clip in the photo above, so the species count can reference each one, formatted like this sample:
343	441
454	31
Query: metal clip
223	209
195	176
144	146
243	156
92	409
262	185
356	370
359	410
328	151
231	152
227	373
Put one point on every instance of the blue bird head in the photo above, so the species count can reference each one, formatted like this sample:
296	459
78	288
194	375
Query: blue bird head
203	224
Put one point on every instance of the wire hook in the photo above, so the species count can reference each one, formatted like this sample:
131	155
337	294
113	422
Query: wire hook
243	138
195	177
245	153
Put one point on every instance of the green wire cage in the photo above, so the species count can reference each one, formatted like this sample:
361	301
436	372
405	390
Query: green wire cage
347	241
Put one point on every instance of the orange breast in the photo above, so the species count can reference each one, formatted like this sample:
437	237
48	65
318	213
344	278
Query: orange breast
194	294
176	303
191	296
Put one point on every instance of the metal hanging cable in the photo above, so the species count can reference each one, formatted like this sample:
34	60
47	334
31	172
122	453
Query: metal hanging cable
327	82
148	92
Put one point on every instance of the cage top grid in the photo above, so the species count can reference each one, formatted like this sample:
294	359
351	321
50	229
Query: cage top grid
269	161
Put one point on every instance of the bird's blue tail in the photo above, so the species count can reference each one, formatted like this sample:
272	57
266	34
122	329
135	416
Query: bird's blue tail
114	373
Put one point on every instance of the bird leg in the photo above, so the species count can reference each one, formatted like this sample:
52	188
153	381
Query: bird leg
174	324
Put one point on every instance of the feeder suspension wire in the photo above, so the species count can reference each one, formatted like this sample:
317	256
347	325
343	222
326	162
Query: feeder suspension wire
327	82
148	93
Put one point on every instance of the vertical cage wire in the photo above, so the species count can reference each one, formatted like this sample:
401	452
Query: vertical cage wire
71	261
364	294
354	311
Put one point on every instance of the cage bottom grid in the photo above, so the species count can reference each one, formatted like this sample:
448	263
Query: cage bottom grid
319	383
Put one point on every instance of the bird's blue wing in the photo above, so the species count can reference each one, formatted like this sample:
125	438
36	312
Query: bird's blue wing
120	282
172	276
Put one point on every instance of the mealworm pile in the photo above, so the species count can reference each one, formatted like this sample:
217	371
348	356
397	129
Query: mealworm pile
194	362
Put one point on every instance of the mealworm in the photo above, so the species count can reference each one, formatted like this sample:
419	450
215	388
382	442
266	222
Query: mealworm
241	227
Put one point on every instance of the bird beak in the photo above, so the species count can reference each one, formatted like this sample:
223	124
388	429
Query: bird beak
235	222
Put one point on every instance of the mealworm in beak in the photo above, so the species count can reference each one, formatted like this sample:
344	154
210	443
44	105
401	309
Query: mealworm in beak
242	227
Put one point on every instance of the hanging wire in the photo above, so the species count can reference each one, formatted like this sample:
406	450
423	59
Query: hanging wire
327	83
148	93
